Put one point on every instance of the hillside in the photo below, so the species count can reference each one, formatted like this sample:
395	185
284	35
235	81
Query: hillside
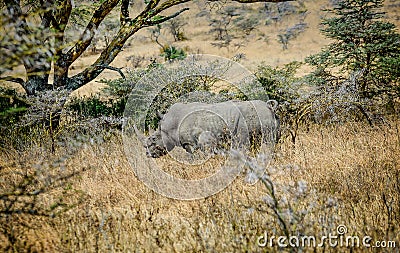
264	23
260	45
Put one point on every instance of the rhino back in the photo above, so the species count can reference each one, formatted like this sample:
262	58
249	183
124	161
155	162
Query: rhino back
184	123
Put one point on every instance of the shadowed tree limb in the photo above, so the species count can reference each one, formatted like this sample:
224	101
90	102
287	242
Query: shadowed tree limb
150	6
113	68
163	19
89	32
13	79
124	16
169	4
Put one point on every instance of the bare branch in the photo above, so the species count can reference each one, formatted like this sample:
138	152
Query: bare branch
150	6
60	22
124	16
163	19
47	16
112	68
64	61
169	4
13	79
62	15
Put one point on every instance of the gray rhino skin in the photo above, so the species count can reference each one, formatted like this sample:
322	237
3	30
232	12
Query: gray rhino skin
209	126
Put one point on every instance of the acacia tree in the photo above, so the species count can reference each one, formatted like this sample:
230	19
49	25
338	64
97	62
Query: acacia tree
363	43
34	36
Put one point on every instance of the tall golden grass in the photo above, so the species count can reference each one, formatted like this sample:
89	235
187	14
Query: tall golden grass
352	173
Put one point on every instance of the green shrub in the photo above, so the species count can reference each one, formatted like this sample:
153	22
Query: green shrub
12	107
171	53
96	107
364	45
282	85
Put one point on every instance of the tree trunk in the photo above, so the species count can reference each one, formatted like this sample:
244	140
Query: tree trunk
38	71
37	68
61	68
36	83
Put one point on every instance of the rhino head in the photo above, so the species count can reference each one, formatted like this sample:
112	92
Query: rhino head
154	145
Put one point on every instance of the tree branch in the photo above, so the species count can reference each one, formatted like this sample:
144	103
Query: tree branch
124	16
89	32
62	15
47	17
169	4
13	79
163	19
112	68
60	22
150	6
64	60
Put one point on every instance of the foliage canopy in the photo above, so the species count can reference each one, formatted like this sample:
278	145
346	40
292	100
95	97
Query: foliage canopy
362	42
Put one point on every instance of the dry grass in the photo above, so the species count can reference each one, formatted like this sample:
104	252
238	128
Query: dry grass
352	171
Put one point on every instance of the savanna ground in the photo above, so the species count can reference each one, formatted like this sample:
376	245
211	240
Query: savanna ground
85	196
336	175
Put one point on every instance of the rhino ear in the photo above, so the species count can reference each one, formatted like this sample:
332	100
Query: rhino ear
273	104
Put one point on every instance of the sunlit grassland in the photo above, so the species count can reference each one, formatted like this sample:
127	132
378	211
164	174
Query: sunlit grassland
351	171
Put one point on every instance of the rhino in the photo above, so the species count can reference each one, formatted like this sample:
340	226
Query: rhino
213	127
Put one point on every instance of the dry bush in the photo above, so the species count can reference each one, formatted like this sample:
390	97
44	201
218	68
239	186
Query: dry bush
340	174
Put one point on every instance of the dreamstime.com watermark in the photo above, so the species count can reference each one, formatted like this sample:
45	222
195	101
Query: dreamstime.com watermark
338	239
